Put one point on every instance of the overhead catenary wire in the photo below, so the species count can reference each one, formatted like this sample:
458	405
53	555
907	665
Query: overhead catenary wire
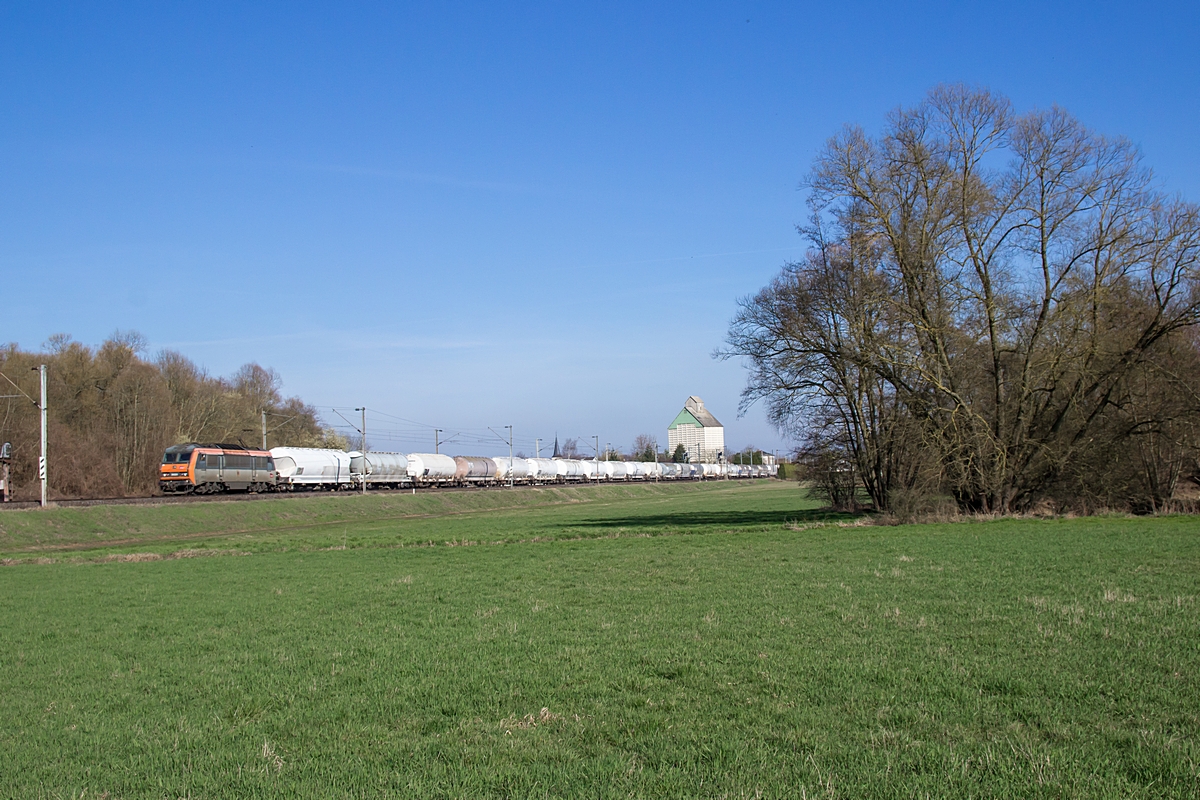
401	434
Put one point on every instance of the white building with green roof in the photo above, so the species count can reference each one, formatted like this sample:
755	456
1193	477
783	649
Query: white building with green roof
702	437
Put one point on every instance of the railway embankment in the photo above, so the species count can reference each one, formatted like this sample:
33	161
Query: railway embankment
326	519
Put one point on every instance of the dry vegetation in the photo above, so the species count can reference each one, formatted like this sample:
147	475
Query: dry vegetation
112	412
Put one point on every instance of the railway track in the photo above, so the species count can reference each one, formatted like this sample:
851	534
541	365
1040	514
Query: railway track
242	497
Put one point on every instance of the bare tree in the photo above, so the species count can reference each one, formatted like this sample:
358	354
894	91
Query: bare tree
982	290
112	413
643	448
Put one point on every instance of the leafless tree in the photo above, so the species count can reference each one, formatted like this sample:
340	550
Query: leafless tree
643	448
984	292
112	413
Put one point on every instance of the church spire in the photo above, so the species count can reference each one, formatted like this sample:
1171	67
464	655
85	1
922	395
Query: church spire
556	453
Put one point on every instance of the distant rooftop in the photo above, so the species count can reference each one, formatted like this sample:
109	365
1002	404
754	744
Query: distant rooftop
694	413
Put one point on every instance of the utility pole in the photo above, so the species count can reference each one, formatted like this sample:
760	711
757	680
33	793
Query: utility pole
264	427
510	456
5	480
42	459
364	447
436	444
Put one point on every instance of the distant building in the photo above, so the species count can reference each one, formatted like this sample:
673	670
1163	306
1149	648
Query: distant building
702	437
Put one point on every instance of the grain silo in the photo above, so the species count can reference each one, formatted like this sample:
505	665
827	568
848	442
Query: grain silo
702	436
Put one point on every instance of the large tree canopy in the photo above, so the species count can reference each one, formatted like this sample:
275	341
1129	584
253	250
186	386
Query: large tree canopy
994	306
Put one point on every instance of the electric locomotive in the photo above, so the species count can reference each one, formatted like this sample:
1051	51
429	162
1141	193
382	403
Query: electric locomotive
211	468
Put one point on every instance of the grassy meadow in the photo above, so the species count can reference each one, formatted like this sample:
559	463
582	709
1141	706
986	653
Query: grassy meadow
716	640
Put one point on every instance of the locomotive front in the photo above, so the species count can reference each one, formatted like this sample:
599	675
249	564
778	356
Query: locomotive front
175	473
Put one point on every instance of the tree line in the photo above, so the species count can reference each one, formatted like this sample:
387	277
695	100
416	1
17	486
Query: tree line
997	308
112	412
643	449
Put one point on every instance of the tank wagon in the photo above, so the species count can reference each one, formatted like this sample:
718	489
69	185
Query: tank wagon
431	469
570	470
514	467
474	470
545	470
380	470
312	468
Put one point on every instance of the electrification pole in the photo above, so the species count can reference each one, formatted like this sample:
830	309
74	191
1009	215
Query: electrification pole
537	448
264	427
597	438
436	444
42	459
510	455
364	447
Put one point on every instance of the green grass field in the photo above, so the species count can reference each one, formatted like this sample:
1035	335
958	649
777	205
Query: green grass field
710	640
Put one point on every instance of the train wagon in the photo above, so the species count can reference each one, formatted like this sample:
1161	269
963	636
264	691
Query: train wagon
512	468
380	470
544	470
642	470
474	470
211	468
312	469
431	469
570	469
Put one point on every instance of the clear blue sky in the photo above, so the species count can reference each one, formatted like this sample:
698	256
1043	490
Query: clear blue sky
482	214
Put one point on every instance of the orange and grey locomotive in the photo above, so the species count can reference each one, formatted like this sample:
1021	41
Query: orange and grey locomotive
211	468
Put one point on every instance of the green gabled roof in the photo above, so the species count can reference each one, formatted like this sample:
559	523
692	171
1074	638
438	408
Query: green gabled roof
685	418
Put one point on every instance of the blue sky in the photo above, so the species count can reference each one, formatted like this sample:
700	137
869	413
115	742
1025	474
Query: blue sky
473	215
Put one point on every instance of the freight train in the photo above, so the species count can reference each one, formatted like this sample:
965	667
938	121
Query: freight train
215	468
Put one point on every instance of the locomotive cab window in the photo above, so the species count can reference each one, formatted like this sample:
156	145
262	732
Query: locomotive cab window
176	456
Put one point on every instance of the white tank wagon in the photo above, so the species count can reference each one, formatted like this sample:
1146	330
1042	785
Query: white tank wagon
312	468
570	469
516	468
383	470
429	469
474	470
642	470
544	470
617	470
591	469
